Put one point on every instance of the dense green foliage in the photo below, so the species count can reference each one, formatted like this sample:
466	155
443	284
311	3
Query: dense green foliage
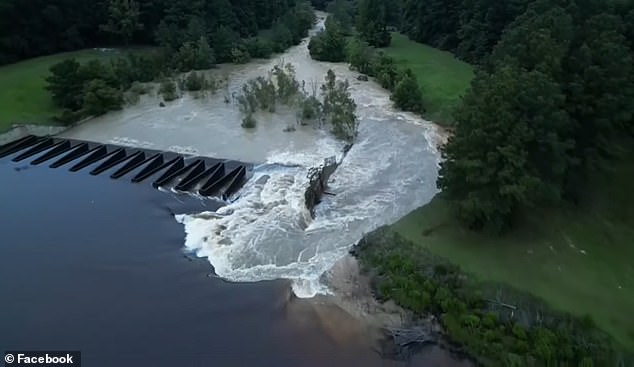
497	325
406	92
470	28
372	22
329	44
38	27
339	108
554	97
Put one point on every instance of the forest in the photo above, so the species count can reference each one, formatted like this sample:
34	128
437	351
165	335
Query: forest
551	101
41	27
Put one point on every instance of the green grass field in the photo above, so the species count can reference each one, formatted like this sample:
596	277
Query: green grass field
443	78
23	98
578	261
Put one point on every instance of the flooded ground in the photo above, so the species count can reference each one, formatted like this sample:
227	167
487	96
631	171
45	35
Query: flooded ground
266	233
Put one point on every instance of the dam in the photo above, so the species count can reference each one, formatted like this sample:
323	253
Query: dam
204	176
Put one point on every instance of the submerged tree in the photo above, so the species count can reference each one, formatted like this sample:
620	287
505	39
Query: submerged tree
339	108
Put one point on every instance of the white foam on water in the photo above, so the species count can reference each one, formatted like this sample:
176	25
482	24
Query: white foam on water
267	233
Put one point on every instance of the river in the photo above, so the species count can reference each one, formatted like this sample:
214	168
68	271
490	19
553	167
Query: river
96	265
266	233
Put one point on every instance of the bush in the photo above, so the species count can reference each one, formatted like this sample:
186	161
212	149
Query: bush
168	90
407	94
361	56
385	71
99	98
140	89
194	82
281	37
329	44
194	56
239	55
311	108
259	47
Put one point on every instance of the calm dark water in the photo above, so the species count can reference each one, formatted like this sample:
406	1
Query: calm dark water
93	264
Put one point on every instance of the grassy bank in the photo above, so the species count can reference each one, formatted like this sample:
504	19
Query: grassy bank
23	98
579	261
443	78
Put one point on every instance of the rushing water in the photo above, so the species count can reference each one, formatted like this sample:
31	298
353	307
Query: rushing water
266	233
96	265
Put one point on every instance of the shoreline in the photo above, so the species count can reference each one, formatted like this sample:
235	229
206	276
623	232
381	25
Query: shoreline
352	292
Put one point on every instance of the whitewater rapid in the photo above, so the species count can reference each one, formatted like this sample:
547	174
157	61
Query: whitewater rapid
266	232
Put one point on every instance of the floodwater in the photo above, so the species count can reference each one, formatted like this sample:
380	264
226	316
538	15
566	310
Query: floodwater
97	265
266	233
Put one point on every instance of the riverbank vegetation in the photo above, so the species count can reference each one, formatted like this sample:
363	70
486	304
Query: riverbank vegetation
335	108
494	323
442	77
23	97
188	35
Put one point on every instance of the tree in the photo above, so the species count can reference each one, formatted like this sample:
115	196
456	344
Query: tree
123	19
372	23
407	94
339	108
600	88
65	84
223	41
361	56
98	98
205	57
343	12
329	44
509	149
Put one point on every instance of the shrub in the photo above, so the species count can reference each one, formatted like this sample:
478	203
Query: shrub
259	47
239	55
168	90
194	82
329	44
407	95
248	122
361	56
99	98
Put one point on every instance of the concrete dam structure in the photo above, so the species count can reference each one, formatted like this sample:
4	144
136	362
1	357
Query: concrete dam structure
202	175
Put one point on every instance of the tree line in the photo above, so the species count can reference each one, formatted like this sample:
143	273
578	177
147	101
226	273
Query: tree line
40	27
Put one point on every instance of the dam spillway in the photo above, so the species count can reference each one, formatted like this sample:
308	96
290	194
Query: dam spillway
205	176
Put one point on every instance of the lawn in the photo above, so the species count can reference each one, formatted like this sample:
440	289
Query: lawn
23	98
443	78
578	261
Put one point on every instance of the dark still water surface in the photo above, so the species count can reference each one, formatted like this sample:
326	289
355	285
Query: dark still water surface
93	264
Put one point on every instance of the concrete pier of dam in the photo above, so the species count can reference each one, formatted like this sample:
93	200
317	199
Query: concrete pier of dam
204	176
